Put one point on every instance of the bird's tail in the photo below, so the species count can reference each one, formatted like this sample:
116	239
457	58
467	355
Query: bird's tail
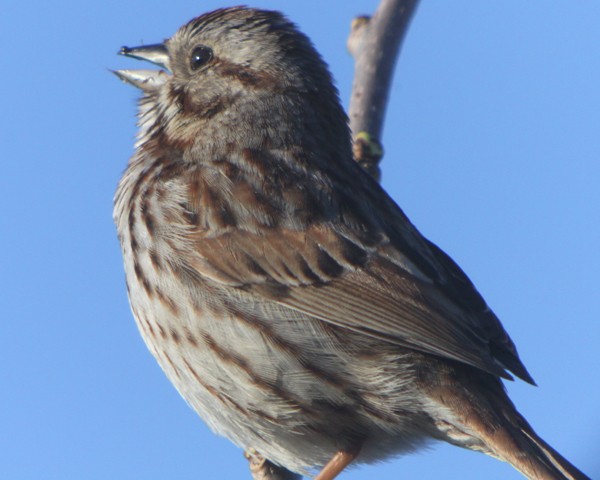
530	454
481	407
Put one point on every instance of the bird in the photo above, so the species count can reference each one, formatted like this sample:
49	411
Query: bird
284	293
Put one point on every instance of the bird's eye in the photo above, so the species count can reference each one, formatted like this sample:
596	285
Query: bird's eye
201	55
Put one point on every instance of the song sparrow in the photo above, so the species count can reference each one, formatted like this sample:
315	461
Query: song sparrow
282	291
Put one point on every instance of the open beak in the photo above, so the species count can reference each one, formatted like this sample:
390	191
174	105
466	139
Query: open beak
147	80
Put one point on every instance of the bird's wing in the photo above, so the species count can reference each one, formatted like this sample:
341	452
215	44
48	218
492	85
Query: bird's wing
377	276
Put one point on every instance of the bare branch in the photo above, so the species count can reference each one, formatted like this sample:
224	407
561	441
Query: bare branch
263	469
375	42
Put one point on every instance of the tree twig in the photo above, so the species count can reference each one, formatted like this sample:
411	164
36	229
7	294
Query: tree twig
374	43
263	469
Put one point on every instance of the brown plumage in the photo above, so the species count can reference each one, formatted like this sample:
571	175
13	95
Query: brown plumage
284	293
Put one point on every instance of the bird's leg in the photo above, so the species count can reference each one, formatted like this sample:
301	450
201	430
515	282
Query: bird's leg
334	467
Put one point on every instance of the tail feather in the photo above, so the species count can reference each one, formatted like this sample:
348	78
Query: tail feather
536	459
481	417
514	441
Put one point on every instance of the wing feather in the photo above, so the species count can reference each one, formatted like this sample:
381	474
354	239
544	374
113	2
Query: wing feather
350	264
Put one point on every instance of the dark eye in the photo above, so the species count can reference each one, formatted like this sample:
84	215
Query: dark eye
201	55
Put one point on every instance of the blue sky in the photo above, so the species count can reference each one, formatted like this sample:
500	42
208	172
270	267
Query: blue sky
493	149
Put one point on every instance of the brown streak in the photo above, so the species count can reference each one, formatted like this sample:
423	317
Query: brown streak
173	366
195	374
141	320
133	241
155	260
167	301
226	399
175	336
252	375
161	330
150	329
142	279
291	349
199	309
148	218
143	179
190	337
